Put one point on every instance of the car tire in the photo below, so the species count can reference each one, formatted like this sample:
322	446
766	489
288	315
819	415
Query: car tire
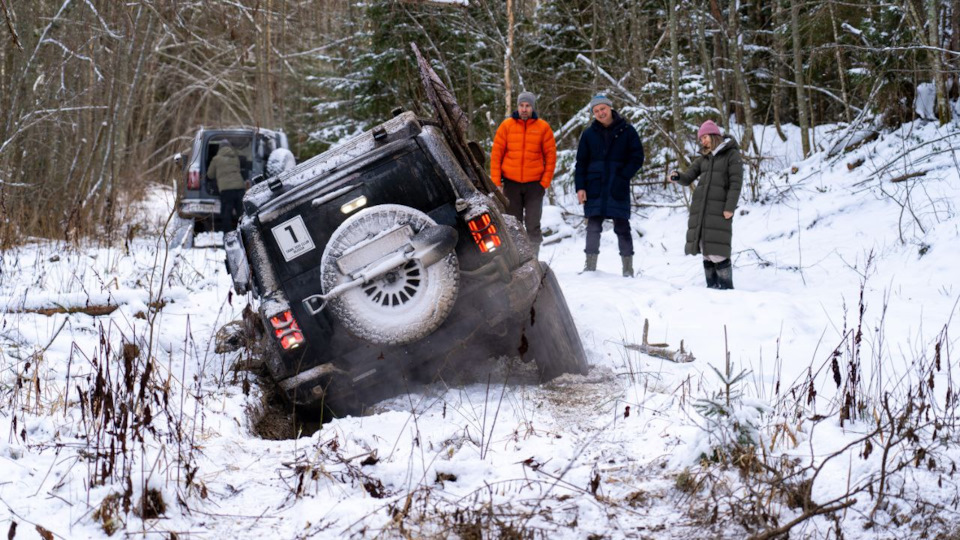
550	336
402	306
280	160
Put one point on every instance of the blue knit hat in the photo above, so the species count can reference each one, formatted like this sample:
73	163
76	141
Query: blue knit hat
600	99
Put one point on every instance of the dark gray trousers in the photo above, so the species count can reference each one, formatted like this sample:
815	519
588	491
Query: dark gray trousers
620	226
526	204
231	203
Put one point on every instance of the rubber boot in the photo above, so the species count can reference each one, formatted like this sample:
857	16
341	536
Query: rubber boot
591	264
710	272
725	275
627	266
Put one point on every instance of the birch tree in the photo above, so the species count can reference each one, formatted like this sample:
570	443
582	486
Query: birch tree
798	77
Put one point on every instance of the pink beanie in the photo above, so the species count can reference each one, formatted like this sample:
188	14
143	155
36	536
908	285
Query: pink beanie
708	128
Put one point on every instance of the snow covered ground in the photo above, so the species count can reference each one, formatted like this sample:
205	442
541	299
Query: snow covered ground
609	454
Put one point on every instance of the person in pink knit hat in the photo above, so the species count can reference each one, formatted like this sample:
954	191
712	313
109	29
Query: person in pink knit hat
719	175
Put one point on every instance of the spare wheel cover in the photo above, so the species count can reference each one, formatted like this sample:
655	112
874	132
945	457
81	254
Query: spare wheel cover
402	306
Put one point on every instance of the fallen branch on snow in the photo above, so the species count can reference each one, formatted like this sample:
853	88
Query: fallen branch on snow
93	310
903	177
660	350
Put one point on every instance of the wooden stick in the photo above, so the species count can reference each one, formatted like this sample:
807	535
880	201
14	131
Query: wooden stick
660	350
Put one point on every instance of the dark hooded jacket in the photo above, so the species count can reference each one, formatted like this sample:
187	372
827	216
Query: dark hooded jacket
607	158
718	190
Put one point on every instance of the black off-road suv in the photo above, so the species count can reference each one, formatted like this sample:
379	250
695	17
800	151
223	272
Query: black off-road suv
389	259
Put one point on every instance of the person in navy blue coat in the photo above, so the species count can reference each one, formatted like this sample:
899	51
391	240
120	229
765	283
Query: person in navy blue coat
609	155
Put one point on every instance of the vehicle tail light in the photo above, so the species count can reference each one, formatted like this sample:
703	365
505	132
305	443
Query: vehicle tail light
286	329
484	233
193	179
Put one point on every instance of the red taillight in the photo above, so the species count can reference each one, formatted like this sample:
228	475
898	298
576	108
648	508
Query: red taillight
286	329
484	233
282	320
193	179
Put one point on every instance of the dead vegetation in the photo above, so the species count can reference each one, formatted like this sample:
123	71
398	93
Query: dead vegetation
123	411
271	419
123	402
108	514
763	473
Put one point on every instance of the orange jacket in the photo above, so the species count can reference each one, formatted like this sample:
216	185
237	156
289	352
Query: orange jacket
523	151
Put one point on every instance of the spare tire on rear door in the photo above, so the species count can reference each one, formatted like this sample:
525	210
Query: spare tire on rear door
402	305
280	160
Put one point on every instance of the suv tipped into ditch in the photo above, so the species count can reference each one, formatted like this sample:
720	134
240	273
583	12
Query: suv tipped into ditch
390	258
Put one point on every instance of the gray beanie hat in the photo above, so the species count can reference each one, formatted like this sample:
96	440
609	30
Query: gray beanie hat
600	99
527	97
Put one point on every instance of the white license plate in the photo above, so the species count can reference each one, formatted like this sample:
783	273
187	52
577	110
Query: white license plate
200	208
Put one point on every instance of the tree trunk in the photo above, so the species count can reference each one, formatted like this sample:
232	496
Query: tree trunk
954	66
508	53
742	90
802	106
720	53
264	91
841	72
778	48
930	20
640	59
675	82
936	61
813	123
709	74
281	88
471	132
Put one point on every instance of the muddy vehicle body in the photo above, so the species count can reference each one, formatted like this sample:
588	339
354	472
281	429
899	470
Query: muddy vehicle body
391	259
198	196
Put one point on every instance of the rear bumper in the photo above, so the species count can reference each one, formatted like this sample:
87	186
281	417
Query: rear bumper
198	208
485	323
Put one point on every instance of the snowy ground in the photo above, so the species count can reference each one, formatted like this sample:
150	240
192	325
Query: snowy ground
603	454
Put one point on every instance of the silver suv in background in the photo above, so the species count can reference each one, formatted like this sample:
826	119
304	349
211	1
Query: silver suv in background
263	153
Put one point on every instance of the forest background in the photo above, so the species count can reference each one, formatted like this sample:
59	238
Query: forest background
96	96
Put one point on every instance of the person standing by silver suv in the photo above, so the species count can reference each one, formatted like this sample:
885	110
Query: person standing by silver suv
224	169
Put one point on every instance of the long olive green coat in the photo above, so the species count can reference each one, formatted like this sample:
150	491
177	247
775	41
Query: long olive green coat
720	176
225	169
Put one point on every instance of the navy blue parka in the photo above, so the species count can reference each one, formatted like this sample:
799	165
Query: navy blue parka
607	158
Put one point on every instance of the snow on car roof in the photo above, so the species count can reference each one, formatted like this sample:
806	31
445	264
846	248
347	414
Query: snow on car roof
241	129
329	160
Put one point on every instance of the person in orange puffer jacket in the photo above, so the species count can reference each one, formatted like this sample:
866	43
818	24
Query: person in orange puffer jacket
522	161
